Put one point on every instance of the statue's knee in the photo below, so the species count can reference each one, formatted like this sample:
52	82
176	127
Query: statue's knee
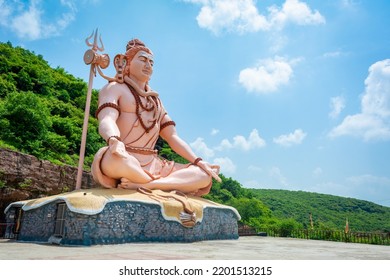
203	175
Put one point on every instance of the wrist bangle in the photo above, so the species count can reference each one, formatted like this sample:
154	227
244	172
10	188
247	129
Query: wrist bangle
116	137
197	160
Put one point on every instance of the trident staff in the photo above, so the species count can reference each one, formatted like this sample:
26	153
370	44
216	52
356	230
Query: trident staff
97	61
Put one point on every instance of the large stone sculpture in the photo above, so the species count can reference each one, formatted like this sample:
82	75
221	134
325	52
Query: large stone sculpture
144	197
131	118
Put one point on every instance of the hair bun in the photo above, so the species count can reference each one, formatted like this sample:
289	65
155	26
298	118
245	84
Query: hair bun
133	43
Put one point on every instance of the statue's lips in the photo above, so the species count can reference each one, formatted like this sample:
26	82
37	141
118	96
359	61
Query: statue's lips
147	72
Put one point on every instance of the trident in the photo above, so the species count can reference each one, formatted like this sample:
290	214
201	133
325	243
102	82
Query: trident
97	61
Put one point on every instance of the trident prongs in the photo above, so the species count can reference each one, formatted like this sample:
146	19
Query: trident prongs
94	45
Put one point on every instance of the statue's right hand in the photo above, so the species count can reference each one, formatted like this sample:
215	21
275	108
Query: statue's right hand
117	148
211	169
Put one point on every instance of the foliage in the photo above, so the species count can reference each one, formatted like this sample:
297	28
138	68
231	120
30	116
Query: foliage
42	109
3	183
25	184
287	226
328	212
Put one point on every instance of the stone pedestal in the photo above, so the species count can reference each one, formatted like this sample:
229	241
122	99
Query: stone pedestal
111	216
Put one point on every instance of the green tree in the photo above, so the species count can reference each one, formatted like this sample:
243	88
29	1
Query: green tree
250	208
232	186
25	121
287	226
6	86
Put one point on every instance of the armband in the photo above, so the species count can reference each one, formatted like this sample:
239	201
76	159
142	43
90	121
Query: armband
105	105
168	123
197	160
116	137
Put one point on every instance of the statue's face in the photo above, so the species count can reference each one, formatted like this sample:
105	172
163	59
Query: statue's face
141	66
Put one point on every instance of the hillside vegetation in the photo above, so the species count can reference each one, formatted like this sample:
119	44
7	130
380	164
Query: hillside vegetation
328	211
42	109
41	113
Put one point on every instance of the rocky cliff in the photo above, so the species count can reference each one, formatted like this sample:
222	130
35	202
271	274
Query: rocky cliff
25	177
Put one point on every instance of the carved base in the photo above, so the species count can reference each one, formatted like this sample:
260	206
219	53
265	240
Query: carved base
57	220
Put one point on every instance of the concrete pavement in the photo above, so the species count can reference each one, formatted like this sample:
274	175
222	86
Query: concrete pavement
245	248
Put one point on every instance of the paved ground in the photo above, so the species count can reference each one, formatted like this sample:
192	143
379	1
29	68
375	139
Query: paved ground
245	248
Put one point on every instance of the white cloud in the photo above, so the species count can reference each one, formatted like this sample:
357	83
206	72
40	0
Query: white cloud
240	142
28	24
201	148
253	184
368	179
349	4
5	11
276	174
277	42
368	127
332	54
373	122
254	141
254	168
242	16
370	187
296	12
376	100
226	164
68	16
214	131
337	104
234	15
268	76
293	138
31	21
317	171
225	145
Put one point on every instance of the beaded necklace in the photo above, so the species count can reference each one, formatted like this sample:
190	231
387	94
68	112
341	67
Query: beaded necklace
153	106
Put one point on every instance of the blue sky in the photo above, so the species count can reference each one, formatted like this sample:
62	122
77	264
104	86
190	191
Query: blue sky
287	94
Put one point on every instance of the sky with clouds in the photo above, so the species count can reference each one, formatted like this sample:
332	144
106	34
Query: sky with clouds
283	94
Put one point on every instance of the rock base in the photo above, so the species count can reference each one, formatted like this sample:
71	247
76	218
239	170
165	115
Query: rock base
119	221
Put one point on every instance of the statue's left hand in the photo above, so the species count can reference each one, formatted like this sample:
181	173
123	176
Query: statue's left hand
211	169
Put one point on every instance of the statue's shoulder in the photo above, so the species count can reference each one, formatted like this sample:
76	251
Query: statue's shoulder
113	88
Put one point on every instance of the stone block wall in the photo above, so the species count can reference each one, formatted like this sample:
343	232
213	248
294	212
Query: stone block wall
123	222
25	177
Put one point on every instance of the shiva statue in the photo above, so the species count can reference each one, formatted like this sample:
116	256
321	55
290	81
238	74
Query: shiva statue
131	119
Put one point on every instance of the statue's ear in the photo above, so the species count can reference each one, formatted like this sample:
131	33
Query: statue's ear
120	64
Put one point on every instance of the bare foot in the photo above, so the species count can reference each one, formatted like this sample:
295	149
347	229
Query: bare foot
127	184
202	191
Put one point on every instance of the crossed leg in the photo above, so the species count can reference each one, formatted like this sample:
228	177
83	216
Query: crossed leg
190	180
187	179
